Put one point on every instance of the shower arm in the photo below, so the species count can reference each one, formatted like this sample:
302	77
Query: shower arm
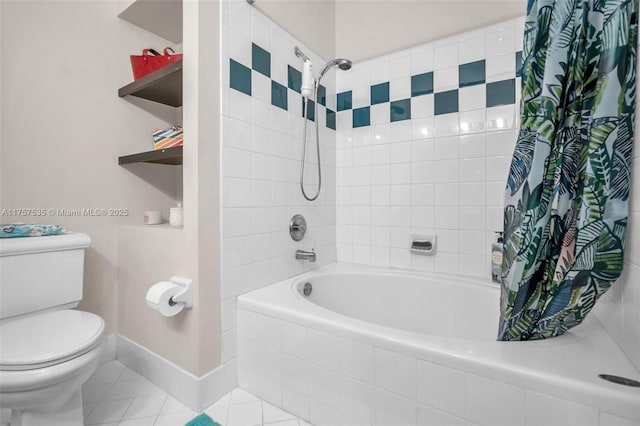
301	55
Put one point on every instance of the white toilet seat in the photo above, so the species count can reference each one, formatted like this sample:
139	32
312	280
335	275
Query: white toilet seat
48	339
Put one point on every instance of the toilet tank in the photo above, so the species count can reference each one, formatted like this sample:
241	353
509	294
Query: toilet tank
41	273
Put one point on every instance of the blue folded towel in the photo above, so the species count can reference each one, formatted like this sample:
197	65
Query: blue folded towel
12	230
202	420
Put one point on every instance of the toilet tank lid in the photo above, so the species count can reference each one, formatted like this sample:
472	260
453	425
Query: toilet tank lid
27	245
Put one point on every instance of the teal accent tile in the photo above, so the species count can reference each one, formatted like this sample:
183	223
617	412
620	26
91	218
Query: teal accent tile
312	112
501	93
400	110
260	60
472	73
422	84
331	119
446	102
279	96
519	64
295	78
361	117
380	93
322	95
344	101
239	77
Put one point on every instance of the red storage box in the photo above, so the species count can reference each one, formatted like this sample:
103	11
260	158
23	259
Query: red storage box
147	63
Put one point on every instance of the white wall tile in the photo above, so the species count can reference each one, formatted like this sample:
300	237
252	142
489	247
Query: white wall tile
446	148
472	170
500	41
446	194
324	385
471	49
494	403
472	97
422	106
428	416
400	66
294	339
394	410
472	145
445	79
607	419
400	88
357	399
422	60
501	143
379	114
472	121
422	128
446	124
473	265
239	106
356	360
379	71
422	150
323	415
323	349
395	372
446	56
557	411
296	403
501	67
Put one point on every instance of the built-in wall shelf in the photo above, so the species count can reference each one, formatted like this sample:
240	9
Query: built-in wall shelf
163	86
172	156
161	17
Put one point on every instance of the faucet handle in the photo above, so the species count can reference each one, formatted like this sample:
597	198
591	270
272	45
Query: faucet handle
297	227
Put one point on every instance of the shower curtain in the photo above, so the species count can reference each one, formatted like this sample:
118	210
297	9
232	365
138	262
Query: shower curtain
567	193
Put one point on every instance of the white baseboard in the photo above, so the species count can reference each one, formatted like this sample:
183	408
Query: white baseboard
195	392
109	353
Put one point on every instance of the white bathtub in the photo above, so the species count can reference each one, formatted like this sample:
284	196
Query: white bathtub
374	346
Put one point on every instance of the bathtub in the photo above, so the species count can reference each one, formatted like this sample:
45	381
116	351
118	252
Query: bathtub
373	346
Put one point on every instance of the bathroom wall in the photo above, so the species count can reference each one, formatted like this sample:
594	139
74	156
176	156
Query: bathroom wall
368	29
261	150
424	142
63	127
146	255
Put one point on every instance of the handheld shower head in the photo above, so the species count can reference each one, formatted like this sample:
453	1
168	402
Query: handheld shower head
343	64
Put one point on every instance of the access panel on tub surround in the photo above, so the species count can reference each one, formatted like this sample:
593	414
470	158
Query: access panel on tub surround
261	151
424	142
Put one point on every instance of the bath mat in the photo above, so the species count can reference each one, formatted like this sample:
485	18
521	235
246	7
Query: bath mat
202	420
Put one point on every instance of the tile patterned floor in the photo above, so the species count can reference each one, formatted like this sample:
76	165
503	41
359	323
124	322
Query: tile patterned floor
117	396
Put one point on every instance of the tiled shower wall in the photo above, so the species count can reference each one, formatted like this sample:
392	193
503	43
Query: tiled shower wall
424	142
261	151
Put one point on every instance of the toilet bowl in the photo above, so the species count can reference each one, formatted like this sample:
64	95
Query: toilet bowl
47	349
44	360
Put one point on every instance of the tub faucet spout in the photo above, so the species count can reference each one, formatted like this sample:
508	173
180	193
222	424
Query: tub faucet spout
306	255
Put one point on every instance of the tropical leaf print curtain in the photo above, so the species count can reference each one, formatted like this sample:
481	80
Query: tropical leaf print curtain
568	187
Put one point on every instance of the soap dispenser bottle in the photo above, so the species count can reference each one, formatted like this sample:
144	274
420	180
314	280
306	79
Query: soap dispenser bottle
496	258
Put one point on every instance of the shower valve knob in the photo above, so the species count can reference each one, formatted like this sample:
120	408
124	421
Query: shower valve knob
297	227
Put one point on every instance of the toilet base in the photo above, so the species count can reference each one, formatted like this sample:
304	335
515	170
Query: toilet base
69	414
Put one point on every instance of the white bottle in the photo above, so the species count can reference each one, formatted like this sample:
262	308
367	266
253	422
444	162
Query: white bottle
176	216
497	248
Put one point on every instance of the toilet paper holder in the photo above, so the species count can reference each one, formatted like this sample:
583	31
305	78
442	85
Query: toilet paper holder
185	296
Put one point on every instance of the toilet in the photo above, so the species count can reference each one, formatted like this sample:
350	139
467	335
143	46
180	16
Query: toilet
47	349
